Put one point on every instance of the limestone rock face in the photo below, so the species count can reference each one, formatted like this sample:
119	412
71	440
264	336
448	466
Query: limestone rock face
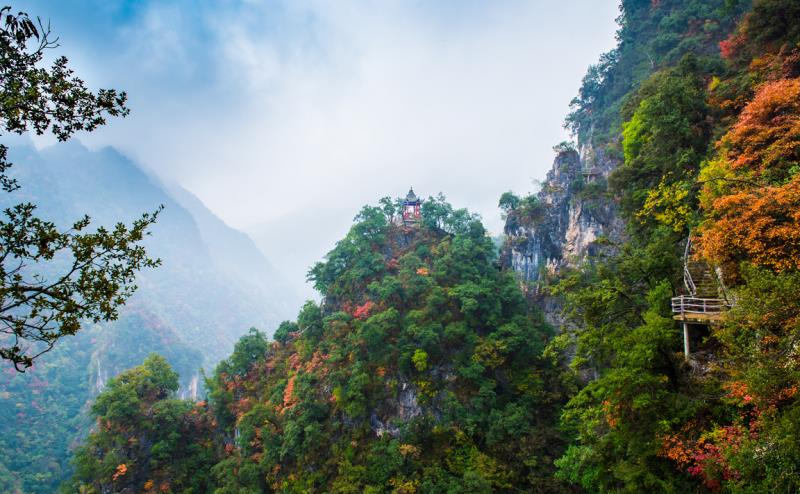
563	225
401	408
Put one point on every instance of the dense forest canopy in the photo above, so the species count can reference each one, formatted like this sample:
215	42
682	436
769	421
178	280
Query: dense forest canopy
708	148
421	371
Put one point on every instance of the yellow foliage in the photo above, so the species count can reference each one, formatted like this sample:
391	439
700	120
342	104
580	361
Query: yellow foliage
668	205
490	353
401	486
409	450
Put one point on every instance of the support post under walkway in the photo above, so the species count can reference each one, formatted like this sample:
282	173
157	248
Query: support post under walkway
685	340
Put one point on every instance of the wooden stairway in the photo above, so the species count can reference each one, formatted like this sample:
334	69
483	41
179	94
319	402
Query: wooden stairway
706	299
703	279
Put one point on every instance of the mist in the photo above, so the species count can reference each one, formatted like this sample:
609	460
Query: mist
284	118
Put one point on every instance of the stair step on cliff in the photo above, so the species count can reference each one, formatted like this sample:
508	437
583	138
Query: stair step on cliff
705	282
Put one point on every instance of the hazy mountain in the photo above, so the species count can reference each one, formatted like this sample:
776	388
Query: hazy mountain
213	283
236	253
212	286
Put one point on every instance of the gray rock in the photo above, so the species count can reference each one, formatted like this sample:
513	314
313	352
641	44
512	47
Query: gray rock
575	211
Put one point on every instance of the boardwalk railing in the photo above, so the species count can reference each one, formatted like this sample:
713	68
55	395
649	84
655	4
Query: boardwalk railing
688	281
687	276
699	310
694	305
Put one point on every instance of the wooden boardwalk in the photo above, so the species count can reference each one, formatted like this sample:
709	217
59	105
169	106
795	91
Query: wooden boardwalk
707	300
698	309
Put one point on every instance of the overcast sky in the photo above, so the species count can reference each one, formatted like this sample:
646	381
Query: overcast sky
285	116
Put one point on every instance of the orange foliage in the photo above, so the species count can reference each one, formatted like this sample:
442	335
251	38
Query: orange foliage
122	469
242	406
769	340
423	271
729	47
787	393
706	457
288	394
766	138
759	225
746	220
317	364
676	449
774	66
707	454
294	361
362	311
611	413
738	390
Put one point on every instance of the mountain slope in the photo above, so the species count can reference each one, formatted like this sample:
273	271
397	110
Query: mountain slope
211	287
692	123
200	289
421	371
236	253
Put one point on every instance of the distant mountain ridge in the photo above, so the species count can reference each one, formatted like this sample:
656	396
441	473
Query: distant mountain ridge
222	266
213	285
234	250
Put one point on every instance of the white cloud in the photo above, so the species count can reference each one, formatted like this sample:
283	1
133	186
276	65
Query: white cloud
275	110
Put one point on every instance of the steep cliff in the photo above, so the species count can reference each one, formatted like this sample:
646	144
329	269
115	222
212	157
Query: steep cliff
702	145
571	219
575	216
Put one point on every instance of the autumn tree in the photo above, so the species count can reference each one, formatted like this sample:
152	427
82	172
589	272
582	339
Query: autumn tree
752	192
145	440
52	278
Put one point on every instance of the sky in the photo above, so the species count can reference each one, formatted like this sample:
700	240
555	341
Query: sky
286	116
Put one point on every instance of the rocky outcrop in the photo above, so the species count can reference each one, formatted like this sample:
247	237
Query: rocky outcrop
191	389
402	403
403	407
562	225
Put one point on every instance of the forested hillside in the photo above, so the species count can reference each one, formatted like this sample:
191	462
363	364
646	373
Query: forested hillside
695	119
422	371
429	366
